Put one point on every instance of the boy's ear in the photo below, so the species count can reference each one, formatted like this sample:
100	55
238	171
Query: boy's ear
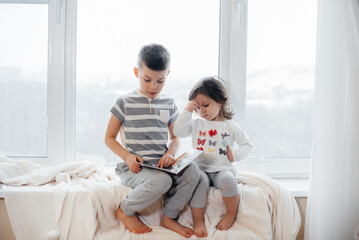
168	72
135	70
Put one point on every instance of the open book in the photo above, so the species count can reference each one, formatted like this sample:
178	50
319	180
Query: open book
180	163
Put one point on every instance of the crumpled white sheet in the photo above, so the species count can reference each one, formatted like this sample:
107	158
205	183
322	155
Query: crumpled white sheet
78	201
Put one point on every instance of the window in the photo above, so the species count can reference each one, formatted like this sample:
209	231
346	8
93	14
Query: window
23	79
274	62
266	53
36	70
110	35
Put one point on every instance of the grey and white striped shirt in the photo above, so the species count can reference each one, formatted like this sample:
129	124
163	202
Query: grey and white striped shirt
144	130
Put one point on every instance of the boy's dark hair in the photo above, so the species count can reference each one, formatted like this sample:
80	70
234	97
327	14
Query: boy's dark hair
154	56
213	88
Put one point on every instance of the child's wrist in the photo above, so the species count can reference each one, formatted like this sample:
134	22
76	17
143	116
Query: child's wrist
190	111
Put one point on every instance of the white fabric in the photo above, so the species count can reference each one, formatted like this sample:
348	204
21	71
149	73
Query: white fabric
78	201
333	201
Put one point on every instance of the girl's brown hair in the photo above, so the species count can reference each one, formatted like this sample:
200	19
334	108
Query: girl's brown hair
213	88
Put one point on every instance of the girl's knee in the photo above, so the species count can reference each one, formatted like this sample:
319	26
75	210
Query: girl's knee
226	181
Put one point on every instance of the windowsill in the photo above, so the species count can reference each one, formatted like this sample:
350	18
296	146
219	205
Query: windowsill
298	187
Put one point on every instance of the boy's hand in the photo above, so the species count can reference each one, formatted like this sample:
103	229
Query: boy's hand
229	154
132	162
166	160
192	105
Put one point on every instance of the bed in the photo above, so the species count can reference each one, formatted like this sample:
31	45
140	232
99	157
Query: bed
78	201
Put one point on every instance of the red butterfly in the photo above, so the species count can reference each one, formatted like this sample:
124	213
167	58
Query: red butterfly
212	132
201	142
202	133
201	148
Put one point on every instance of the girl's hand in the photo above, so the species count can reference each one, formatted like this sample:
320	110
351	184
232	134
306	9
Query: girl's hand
192	105
132	162
166	160
229	154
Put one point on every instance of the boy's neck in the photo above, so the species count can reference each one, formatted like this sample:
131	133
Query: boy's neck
151	99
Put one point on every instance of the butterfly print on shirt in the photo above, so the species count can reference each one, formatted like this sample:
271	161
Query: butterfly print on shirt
201	142
222	151
211	149
212	132
202	133
212	143
224	143
224	135
200	148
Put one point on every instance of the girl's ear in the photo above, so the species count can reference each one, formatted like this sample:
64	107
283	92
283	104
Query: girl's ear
135	70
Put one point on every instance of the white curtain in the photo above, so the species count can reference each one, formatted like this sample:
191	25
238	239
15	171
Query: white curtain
333	200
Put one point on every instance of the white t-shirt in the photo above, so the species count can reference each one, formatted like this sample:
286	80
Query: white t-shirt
213	137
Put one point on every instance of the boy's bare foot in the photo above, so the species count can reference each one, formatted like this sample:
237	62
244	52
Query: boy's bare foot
132	223
226	222
175	226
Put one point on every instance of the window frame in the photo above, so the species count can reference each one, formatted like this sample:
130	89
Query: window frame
233	69
232	66
60	80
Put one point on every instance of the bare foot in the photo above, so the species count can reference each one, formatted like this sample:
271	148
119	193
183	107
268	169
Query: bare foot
132	223
199	228
175	226
226	222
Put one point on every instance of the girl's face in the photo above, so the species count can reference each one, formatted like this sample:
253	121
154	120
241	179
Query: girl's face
208	108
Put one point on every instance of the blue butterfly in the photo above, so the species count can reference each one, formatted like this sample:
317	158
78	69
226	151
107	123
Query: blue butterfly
212	143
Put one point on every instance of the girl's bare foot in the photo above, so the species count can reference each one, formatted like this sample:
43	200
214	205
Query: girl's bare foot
175	226
226	222
132	223
199	228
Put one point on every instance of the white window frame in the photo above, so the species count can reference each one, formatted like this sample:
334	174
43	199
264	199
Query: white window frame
60	80
233	69
62	86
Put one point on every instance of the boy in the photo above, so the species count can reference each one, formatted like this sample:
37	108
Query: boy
146	119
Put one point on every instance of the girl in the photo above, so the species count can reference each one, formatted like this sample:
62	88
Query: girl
216	135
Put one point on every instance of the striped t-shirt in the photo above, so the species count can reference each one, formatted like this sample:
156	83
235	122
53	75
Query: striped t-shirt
144	130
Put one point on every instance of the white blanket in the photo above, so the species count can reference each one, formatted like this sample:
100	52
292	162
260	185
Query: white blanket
78	201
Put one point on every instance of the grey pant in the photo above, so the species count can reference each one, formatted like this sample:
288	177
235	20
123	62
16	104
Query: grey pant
223	180
199	197
150	184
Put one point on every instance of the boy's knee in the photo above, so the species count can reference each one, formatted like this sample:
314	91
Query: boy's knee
191	174
161	183
203	179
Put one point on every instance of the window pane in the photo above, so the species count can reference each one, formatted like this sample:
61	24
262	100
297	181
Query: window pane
280	77
110	35
23	79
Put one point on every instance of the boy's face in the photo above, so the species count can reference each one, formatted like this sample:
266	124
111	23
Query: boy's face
151	81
